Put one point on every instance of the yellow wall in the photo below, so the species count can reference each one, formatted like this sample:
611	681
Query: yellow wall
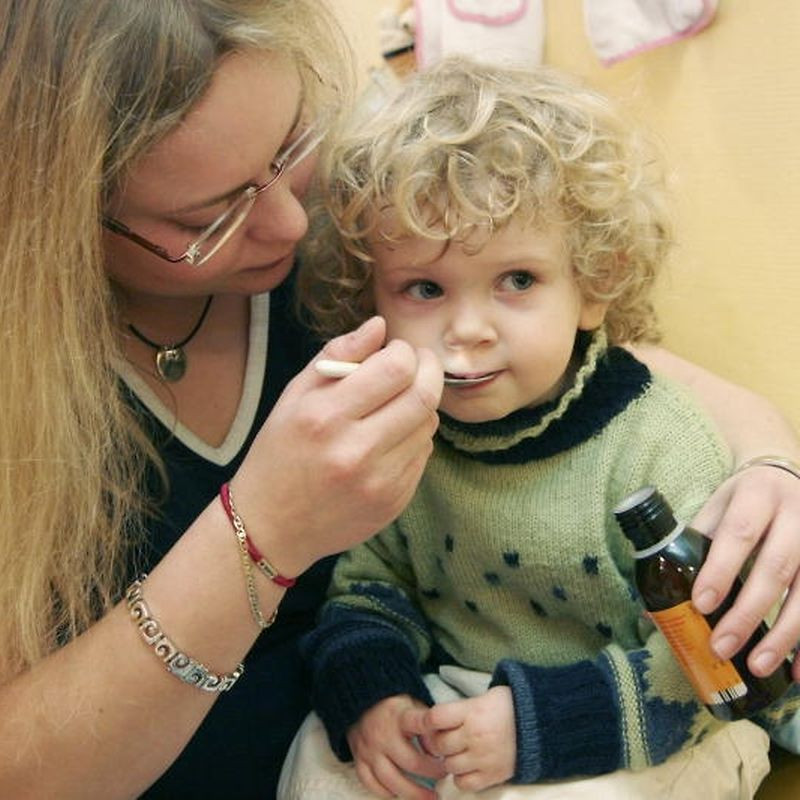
726	105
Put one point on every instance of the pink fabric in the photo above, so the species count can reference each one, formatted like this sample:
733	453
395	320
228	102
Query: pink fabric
502	14
512	31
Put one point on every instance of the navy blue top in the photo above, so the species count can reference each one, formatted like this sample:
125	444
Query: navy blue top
238	750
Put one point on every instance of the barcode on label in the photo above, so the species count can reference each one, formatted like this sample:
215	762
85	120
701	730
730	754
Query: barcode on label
731	693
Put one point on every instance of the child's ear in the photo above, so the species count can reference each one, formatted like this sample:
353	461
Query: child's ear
593	312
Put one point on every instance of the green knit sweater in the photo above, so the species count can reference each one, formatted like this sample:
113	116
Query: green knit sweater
509	560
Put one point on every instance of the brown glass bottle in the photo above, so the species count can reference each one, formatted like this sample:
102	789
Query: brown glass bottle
668	557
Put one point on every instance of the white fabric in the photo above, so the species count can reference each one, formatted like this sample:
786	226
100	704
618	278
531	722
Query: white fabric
619	29
395	30
498	31
513	31
248	405
729	765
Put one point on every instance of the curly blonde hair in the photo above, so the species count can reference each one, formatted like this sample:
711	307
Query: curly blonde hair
464	148
86	86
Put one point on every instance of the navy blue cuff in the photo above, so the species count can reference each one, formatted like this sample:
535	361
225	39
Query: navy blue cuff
566	719
352	673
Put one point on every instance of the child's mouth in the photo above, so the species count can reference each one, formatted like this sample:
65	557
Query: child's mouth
451	379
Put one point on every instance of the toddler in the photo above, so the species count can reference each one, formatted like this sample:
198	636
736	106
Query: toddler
514	224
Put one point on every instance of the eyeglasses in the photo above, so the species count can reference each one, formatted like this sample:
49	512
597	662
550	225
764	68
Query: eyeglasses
224	226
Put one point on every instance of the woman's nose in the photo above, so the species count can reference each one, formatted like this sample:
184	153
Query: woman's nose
278	215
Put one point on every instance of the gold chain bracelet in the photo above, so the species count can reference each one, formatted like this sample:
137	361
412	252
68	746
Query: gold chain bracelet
250	583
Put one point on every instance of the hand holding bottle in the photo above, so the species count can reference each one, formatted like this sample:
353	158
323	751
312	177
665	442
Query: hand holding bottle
669	556
753	512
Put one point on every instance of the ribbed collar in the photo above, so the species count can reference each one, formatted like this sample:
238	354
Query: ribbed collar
606	381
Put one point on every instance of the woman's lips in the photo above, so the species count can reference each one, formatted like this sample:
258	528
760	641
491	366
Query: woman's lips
271	264
278	261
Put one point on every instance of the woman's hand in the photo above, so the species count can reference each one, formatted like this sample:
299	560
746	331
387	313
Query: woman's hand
756	509
339	459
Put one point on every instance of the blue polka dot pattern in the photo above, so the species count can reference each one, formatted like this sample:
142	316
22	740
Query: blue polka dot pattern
604	629
538	608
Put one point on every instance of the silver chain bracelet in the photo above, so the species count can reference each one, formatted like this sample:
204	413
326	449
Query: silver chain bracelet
780	462
176	661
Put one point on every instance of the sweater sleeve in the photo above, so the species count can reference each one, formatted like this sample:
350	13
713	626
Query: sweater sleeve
623	709
370	640
781	720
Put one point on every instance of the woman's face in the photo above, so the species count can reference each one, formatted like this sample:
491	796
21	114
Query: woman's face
250	113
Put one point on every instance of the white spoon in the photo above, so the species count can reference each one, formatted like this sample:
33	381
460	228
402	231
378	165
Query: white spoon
340	369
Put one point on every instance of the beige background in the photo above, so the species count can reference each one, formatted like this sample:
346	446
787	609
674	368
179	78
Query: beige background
726	105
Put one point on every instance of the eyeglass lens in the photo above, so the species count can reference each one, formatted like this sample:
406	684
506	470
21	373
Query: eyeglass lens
221	230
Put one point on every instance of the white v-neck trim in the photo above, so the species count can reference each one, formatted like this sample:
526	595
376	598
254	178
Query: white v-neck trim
251	393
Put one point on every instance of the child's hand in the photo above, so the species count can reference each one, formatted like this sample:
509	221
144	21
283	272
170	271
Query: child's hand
383	751
476	737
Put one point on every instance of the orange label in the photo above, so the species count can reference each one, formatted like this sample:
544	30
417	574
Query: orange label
688	633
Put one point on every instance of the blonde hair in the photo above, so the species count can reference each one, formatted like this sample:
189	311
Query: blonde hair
85	87
463	149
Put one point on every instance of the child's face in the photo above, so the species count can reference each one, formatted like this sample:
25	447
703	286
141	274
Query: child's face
506	315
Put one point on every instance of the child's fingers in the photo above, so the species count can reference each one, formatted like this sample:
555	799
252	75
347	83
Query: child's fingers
390	776
472	781
407	756
446	716
447	744
369	781
413	722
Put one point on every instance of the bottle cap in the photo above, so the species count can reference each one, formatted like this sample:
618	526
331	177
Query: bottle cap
645	517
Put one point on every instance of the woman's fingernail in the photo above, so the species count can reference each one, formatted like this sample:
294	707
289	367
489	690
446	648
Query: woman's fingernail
764	662
364	326
726	645
706	601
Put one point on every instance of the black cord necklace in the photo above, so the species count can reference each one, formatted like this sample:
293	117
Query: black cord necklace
171	359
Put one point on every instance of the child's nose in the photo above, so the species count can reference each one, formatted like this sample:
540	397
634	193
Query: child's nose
470	325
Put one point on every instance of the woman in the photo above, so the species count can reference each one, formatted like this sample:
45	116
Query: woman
155	158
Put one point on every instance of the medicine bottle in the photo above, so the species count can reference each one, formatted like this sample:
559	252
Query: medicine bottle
668	557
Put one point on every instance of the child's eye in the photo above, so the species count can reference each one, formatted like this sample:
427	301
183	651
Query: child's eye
517	281
423	290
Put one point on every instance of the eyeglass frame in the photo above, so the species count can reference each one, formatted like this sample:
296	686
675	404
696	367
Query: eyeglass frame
309	139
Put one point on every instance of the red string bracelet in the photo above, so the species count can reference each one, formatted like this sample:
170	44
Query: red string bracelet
255	554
